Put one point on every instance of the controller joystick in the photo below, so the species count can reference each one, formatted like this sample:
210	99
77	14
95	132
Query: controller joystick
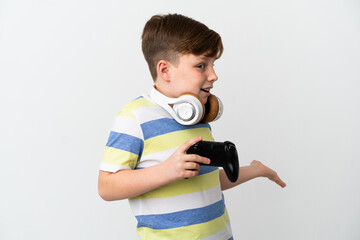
221	154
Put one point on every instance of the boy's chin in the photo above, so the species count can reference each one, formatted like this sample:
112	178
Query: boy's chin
203	97
204	100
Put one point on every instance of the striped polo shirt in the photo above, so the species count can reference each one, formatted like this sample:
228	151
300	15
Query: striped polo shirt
144	134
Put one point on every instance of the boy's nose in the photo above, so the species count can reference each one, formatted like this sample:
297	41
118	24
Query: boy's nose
212	76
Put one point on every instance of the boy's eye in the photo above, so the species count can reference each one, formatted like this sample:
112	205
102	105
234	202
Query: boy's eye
201	66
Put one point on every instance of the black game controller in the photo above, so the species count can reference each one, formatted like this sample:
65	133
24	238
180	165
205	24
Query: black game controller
221	154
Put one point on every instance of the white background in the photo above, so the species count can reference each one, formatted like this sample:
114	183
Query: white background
289	79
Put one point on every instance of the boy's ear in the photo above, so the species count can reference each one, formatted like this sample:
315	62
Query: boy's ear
162	69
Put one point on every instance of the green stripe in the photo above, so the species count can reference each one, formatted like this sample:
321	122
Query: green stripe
185	186
131	106
119	157
189	232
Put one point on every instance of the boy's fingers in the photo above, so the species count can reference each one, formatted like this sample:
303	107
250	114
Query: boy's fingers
280	182
189	143
197	158
192	166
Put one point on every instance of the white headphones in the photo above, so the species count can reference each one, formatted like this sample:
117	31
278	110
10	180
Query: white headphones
188	109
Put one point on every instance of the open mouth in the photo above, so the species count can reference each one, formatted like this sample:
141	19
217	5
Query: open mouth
205	89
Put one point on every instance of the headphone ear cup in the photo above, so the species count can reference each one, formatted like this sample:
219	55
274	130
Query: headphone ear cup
196	104
213	109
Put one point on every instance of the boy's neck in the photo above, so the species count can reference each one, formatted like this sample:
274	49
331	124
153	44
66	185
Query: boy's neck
161	86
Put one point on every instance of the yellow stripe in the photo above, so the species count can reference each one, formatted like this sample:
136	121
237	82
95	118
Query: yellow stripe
185	186
119	157
125	113
131	106
174	139
189	232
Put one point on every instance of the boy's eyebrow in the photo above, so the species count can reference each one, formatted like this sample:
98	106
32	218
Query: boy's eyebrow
202	57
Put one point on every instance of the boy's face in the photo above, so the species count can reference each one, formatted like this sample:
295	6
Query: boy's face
193	74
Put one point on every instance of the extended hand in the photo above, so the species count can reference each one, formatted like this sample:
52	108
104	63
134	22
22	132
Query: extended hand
267	172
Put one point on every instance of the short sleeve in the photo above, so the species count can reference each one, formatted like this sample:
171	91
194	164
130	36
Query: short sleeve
125	144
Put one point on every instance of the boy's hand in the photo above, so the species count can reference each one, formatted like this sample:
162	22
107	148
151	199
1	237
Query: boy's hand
267	172
181	165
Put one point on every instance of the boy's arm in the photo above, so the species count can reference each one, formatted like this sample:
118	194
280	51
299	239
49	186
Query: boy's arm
131	183
254	170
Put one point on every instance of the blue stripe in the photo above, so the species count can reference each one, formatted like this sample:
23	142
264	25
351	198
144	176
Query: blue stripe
182	218
203	170
166	125
207	169
125	142
231	238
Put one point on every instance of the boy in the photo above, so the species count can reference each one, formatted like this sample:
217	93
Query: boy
145	159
